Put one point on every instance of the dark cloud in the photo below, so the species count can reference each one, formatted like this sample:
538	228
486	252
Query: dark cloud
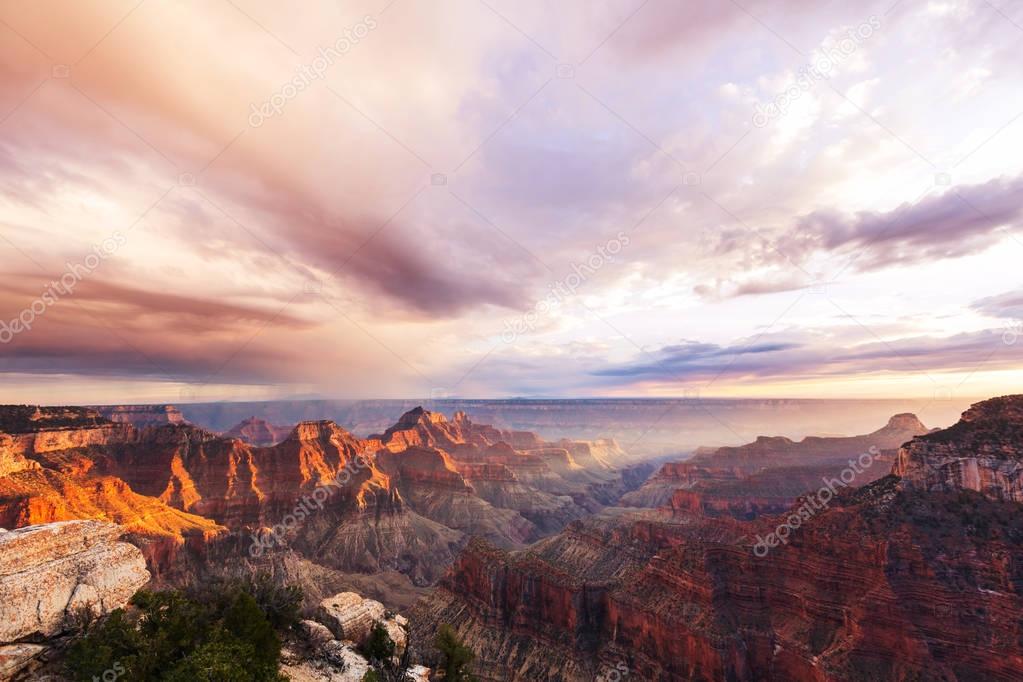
104	328
800	358
956	223
693	358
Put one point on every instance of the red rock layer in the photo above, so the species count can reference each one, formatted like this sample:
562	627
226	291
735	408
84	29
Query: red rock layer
767	475
258	432
890	581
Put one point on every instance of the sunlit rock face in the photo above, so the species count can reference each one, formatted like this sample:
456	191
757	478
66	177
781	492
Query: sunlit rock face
983	453
51	571
405	501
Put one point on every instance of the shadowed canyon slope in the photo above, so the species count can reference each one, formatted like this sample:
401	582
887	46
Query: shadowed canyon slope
767	476
913	576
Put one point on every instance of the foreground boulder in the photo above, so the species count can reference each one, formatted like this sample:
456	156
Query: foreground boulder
332	648
51	572
350	617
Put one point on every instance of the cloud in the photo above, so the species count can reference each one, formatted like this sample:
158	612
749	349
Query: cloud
1007	306
957	223
803	355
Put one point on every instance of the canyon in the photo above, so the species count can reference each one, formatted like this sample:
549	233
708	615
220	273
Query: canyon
319	504
914	575
551	559
769	474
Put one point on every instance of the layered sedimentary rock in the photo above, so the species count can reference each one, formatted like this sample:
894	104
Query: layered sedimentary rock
407	500
258	432
983	452
349	616
896	580
330	650
50	572
143	415
766	476
55	468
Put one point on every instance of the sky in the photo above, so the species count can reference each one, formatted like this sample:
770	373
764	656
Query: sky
238	199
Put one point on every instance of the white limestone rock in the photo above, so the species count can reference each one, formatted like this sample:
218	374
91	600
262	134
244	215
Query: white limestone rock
49	571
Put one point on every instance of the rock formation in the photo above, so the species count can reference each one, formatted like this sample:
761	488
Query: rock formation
766	476
51	571
258	432
405	501
143	415
911	578
983	452
350	617
333	644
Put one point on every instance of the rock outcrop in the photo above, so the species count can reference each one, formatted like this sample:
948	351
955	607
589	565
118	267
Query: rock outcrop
983	452
258	432
50	572
143	415
350	617
333	645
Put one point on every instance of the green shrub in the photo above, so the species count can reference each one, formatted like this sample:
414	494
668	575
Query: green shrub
173	637
379	646
455	656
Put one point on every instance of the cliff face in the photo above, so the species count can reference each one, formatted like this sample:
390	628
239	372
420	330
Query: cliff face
766	476
407	500
258	432
49	572
143	415
894	580
983	452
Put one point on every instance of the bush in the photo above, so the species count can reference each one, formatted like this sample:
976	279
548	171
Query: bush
281	604
173	637
455	656
379	646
